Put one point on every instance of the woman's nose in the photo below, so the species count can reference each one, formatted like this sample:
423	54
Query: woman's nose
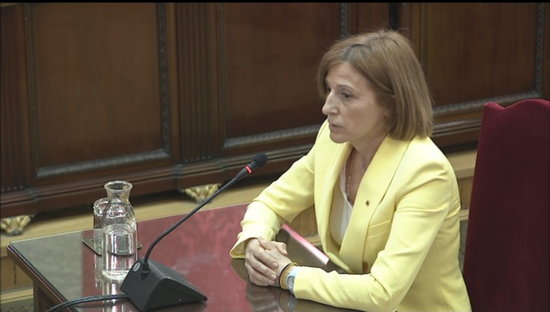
328	107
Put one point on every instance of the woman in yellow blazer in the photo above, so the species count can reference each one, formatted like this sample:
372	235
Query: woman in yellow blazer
386	199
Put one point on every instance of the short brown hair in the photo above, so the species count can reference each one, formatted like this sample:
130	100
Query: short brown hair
387	60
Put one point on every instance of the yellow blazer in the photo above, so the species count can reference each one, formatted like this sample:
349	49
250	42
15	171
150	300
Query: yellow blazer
401	245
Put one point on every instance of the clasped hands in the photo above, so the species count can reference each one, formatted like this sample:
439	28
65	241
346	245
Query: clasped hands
264	261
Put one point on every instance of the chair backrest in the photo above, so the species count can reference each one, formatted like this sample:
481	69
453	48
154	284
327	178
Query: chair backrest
506	256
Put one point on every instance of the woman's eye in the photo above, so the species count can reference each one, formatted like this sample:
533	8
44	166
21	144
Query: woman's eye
346	95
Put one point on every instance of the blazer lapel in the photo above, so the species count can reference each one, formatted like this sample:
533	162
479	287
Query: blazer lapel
371	190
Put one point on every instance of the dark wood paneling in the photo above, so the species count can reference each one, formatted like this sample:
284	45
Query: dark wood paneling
269	55
368	16
102	104
180	94
545	19
15	154
85	75
474	53
475	60
198	85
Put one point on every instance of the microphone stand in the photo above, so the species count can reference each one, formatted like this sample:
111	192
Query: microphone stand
151	285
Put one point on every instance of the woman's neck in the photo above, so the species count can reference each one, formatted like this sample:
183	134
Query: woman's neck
367	148
358	161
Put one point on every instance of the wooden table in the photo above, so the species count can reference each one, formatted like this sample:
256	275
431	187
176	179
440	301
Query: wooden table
63	268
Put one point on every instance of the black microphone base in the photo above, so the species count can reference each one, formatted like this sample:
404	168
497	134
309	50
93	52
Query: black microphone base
160	287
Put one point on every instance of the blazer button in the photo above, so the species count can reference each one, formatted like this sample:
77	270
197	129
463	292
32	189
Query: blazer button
368	203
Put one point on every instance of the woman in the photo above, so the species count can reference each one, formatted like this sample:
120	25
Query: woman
386	199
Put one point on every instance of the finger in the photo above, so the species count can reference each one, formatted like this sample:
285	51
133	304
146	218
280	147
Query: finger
269	258
257	277
257	260
281	247
259	280
255	252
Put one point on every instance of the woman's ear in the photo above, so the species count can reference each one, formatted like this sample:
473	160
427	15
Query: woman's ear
387	113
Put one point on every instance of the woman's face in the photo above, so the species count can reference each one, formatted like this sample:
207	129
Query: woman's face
351	107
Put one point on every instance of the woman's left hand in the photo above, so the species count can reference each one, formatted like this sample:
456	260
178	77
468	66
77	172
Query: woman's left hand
281	259
264	261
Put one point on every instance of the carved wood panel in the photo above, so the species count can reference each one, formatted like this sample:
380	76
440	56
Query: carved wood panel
14	125
94	99
85	74
268	66
473	53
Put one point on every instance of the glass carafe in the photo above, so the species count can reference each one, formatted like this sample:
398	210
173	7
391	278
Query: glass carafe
119	231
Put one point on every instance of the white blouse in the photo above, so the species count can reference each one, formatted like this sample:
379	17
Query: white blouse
341	210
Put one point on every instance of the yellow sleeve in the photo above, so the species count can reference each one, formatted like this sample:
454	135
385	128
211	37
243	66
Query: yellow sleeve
258	221
280	202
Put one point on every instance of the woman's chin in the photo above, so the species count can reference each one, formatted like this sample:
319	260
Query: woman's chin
337	138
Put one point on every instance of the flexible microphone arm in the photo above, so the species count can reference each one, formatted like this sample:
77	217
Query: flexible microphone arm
151	285
258	160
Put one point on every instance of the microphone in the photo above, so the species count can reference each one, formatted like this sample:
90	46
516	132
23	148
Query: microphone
257	161
151	285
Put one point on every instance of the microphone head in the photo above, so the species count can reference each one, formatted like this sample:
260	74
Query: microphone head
260	159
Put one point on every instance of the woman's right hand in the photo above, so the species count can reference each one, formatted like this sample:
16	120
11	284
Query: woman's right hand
261	265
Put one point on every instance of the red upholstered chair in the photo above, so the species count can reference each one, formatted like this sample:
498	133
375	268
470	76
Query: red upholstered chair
506	253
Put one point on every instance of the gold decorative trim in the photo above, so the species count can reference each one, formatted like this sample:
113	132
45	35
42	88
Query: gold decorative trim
201	192
15	225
